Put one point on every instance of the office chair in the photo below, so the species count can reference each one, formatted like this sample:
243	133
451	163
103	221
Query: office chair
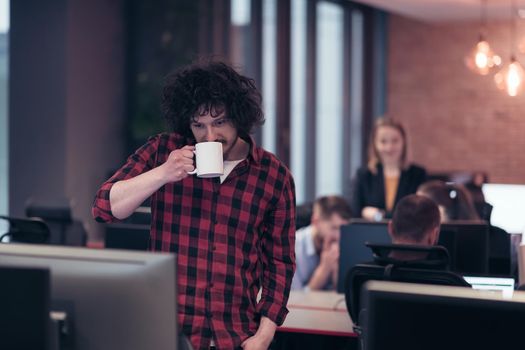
427	270
26	230
57	214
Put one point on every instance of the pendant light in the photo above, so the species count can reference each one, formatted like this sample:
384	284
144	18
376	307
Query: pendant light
482	59
512	76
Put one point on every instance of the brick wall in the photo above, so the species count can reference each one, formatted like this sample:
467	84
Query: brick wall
455	119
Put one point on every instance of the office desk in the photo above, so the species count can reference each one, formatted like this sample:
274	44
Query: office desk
322	313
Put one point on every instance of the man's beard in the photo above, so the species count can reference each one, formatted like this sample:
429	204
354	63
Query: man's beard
226	153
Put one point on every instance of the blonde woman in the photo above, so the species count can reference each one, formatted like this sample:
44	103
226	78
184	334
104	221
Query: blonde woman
387	177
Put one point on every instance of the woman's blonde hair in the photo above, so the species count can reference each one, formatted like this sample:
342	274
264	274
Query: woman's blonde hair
373	155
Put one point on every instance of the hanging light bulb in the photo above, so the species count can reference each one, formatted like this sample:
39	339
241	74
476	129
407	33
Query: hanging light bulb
511	78
481	58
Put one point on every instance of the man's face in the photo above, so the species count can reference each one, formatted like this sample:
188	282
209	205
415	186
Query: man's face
219	129
330	229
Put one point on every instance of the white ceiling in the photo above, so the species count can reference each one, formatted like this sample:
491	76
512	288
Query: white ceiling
445	10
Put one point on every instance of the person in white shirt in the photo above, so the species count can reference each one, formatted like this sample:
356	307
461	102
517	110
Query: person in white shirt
317	245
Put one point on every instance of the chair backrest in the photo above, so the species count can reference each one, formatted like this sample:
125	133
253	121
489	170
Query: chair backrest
27	230
428	257
399	271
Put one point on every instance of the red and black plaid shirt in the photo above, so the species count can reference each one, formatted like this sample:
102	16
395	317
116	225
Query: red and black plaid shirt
231	239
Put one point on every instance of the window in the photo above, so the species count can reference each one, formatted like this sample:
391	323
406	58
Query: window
329	98
356	96
269	73
331	106
298	106
4	75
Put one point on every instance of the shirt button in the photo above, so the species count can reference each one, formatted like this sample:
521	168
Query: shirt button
214	248
211	285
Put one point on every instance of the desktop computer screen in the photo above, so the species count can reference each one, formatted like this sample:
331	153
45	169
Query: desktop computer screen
508	206
113	299
413	317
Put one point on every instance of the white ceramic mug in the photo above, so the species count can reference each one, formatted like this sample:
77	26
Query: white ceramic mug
208	159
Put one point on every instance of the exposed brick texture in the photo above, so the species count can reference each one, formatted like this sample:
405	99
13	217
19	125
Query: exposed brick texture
455	119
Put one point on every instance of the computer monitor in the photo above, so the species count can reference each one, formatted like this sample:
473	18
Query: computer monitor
466	242
352	245
127	236
412	316
113	299
508	206
24	308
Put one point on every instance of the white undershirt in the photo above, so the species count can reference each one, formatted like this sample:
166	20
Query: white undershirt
228	167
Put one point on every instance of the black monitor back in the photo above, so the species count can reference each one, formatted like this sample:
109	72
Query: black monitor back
352	245
24	308
466	242
409	317
127	236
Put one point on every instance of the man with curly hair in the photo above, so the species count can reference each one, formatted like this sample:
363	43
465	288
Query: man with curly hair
234	235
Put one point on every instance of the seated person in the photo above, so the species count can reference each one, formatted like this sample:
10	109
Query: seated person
453	200
475	186
317	245
416	221
455	203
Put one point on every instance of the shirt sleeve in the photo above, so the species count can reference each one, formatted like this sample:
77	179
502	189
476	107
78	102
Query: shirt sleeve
299	279
278	255
141	161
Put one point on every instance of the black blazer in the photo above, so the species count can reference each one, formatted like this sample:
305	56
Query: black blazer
369	189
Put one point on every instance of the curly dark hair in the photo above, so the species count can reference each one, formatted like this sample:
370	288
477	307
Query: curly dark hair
211	87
